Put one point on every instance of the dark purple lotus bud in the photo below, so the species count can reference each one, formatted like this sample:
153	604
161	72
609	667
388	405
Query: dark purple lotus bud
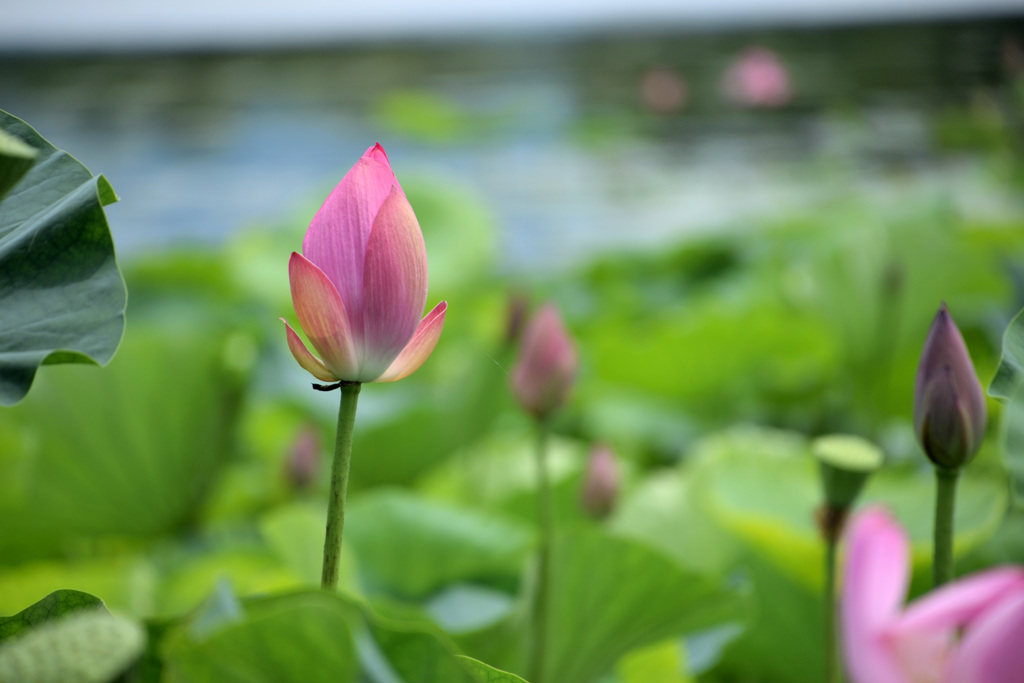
949	404
546	368
600	482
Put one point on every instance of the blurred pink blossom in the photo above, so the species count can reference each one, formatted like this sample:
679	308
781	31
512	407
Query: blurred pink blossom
968	631
546	368
600	482
757	78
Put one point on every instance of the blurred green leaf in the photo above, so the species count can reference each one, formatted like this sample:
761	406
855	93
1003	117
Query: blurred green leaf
54	605
84	646
62	298
482	673
295	534
301	637
658	663
763	487
131	451
608	596
411	546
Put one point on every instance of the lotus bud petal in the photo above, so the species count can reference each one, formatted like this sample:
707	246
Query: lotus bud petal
545	371
600	482
360	286
949	403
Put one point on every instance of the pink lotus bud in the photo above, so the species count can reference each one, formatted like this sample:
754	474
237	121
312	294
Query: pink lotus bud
757	78
547	364
600	482
303	459
949	404
360	284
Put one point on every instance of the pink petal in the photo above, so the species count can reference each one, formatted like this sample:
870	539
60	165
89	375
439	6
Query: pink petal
875	579
308	361
419	347
958	604
323	318
337	237
394	284
991	649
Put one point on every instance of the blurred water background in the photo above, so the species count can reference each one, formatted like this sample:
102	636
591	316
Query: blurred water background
577	141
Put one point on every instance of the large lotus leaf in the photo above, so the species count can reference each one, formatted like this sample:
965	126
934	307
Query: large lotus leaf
85	646
411	546
303	637
608	596
129	451
315	636
54	605
62	298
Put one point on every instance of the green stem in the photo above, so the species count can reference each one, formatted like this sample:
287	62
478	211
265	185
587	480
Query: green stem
339	483
945	504
545	522
831	661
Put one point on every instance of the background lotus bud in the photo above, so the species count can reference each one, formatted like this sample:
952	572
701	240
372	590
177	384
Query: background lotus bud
949	404
303	461
360	284
600	482
546	369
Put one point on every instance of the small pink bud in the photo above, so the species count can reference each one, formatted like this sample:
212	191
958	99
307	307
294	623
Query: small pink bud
949	404
600	482
303	459
546	369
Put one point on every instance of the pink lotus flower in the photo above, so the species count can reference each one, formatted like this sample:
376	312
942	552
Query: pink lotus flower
968	631
757	78
547	364
360	284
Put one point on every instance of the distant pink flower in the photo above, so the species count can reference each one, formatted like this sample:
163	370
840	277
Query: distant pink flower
600	482
968	631
360	284
757	78
546	368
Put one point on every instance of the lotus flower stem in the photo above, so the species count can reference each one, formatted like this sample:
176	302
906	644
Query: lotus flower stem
832	672
339	483
545	522
945	505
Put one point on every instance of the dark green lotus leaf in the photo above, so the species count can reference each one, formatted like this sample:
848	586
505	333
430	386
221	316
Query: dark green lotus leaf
56	604
1010	372
62	297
